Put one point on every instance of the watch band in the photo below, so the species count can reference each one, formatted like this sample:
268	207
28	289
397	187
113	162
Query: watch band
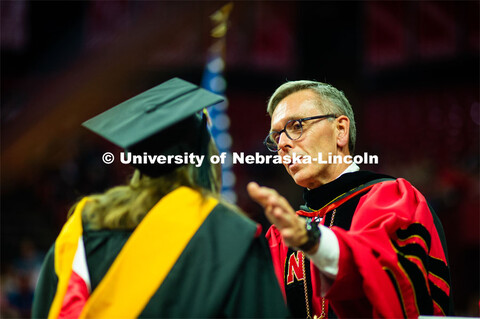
313	233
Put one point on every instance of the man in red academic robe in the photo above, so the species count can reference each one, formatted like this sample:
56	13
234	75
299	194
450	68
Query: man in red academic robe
364	244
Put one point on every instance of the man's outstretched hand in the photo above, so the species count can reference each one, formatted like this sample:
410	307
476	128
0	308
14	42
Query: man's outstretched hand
279	212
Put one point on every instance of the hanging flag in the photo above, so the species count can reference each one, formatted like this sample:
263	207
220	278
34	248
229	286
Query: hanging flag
214	81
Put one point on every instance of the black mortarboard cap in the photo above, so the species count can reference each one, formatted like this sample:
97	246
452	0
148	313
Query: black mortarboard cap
163	120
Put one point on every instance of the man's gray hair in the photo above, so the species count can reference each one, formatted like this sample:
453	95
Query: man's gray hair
338	105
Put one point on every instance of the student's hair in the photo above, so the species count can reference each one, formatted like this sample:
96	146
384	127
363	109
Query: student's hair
124	207
338	103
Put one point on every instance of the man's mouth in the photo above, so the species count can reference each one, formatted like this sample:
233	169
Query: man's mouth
296	160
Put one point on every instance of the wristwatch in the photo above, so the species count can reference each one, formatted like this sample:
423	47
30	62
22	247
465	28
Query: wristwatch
313	233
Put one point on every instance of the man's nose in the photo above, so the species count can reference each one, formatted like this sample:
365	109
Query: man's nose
284	141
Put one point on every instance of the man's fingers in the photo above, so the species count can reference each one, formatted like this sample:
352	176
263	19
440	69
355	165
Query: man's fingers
277	209
269	214
280	201
255	193
261	195
285	204
252	188
281	217
268	197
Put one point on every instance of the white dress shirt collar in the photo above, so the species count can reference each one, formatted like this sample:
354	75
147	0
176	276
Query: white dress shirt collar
350	169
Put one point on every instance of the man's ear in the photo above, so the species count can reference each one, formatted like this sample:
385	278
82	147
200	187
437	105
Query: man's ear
343	130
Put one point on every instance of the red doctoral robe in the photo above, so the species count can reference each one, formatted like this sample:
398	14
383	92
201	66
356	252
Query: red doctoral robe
392	262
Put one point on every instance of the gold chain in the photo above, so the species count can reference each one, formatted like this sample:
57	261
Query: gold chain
305	287
323	314
333	217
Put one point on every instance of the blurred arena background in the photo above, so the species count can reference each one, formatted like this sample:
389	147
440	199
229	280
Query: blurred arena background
410	70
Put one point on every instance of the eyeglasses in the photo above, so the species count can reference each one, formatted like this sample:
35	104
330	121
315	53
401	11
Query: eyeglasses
293	129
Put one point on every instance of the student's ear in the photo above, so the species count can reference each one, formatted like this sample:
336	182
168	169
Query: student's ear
343	130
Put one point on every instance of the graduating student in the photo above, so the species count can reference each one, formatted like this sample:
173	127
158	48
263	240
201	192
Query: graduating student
364	245
165	245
